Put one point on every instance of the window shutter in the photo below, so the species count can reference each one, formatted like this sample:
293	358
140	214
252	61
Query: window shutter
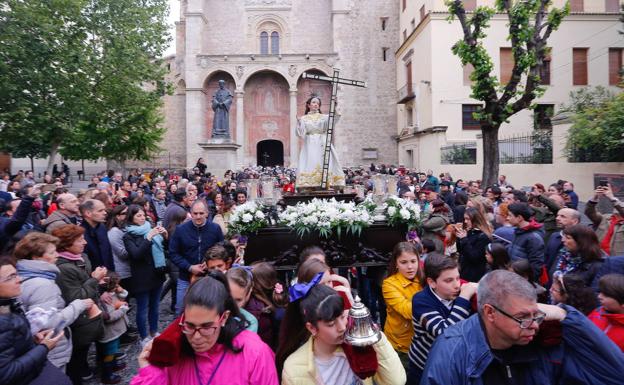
579	66
506	65
577	6
615	66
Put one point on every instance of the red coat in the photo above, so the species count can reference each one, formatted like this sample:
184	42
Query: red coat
612	324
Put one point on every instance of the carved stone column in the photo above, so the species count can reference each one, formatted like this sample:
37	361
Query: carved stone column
240	126
294	140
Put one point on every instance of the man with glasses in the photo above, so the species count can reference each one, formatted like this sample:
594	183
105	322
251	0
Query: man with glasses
500	345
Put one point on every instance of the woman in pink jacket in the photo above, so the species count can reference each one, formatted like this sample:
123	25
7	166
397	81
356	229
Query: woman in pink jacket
216	348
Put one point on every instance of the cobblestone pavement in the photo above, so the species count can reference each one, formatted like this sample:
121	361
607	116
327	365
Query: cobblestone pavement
133	350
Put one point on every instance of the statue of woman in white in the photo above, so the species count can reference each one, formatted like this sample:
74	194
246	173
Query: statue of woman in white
312	128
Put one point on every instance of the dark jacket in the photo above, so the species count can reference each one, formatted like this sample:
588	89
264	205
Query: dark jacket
610	265
584	356
98	246
145	276
189	243
553	250
75	282
472	262
528	243
21	360
10	226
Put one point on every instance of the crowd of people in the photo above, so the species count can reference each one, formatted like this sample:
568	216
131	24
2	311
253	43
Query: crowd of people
500	285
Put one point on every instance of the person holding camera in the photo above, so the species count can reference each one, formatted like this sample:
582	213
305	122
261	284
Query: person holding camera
609	227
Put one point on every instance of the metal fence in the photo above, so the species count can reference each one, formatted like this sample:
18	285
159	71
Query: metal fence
459	153
532	148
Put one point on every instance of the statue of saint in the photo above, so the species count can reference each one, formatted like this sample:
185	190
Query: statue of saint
221	102
313	128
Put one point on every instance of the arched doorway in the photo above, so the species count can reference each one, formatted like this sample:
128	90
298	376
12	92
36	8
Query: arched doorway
270	153
267	112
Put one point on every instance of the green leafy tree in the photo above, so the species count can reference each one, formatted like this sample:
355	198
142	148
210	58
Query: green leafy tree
531	22
597	132
82	77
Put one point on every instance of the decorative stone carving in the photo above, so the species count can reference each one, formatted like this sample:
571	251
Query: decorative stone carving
264	3
240	71
292	70
204	62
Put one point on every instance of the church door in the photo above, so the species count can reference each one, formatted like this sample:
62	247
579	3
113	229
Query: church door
270	153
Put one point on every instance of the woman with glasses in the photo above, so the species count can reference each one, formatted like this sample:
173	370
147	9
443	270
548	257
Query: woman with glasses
216	348
24	356
116	226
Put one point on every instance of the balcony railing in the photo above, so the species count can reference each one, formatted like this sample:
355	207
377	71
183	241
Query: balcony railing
406	93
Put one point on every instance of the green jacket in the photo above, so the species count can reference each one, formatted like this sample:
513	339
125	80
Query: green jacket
75	282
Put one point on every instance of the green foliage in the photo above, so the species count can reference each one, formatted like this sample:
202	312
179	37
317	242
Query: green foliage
458	154
587	98
597	134
82	76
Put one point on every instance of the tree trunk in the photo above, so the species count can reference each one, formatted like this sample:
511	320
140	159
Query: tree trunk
52	158
490	155
32	164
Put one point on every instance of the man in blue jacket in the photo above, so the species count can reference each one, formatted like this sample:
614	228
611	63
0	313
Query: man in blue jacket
188	246
528	242
499	345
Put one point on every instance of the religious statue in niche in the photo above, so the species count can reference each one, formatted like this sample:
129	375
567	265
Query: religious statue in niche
221	103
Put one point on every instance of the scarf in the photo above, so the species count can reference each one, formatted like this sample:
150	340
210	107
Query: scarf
605	245
158	251
568	262
71	256
29	274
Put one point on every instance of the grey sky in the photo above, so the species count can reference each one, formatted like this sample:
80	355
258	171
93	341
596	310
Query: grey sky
174	15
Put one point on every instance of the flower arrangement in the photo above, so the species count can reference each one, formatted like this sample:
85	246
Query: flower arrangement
326	217
399	211
247	218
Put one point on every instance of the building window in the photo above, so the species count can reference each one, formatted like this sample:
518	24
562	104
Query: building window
384	22
264	43
470	5
384	53
612	6
409	116
577	6
422	13
542	115
545	70
506	64
468	70
579	66
468	120
404	4
615	66
275	43
413	24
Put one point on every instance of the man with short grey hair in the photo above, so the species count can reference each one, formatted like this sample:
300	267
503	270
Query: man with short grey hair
67	212
499	345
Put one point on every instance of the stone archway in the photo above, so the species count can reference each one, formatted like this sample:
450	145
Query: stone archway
210	87
270	153
267	111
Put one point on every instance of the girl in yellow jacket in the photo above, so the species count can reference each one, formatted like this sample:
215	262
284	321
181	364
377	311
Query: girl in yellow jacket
316	317
404	280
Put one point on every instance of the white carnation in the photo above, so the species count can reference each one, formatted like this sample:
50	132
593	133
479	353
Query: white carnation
259	215
391	210
405	214
247	217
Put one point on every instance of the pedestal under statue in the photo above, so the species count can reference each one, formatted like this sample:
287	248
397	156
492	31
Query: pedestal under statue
221	102
313	128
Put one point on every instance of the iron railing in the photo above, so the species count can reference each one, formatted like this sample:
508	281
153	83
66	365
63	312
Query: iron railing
533	148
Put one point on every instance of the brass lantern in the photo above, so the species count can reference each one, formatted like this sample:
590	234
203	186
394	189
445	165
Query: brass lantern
361	330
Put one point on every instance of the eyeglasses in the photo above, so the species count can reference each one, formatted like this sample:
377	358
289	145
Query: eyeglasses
11	277
524	323
205	331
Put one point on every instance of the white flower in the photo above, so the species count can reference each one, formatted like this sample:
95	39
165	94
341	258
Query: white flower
392	210
405	214
259	215
247	217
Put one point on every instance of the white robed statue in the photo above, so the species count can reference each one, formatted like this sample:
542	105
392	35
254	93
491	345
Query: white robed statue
313	128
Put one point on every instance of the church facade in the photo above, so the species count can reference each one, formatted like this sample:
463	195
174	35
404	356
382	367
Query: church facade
261	48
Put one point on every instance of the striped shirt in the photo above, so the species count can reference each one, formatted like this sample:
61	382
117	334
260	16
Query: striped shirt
430	318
